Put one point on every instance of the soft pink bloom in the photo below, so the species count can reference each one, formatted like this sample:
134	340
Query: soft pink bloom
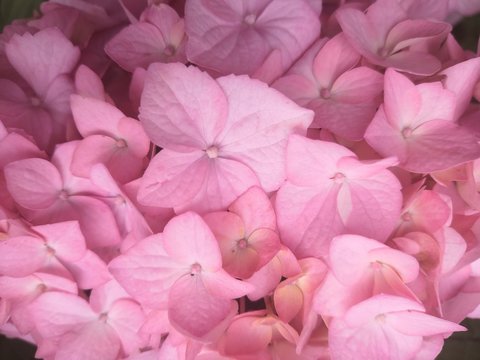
110	138
387	37
219	138
258	335
48	192
228	36
181	270
343	96
158	37
42	110
360	268
19	292
266	279
246	233
330	192
417	125
385	327
105	327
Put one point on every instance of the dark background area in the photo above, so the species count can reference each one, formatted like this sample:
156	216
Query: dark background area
460	346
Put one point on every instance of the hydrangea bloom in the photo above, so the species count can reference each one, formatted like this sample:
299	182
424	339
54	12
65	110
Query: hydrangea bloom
334	214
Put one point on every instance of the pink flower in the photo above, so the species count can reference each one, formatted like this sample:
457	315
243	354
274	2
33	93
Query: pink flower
181	270
381	327
228	36
219	138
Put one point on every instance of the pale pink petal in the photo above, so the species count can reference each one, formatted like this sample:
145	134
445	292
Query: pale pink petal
413	62
93	341
65	239
33	183
308	224
88	84
425	325
193	310
56	313
93	116
359	31
246	335
288	301
225	181
182	107
92	150
402	100
257	128
461	79
90	271
21	256
230	38
335	58
126	317
147	272
223	285
188	240
302	153
55	55
255	209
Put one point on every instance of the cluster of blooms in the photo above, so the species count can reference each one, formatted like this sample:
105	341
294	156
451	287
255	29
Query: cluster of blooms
227	179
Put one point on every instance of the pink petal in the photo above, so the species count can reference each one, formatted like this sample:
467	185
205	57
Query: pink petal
88	84
461	79
21	256
55	56
175	94
65	239
33	183
225	181
425	325
359	31
301	153
94	116
173	178
193	310
256	132
255	209
402	100
223	285
126	317
94	340
189	240
335	58
56	313
147	272
89	271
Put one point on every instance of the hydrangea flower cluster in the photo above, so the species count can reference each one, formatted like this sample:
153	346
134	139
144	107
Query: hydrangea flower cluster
239	179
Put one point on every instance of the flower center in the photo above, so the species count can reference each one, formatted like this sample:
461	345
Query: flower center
381	318
63	195
338	178
242	243
325	93
407	216
195	269
250	19
169	50
121	143
407	132
103	317
35	101
212	152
